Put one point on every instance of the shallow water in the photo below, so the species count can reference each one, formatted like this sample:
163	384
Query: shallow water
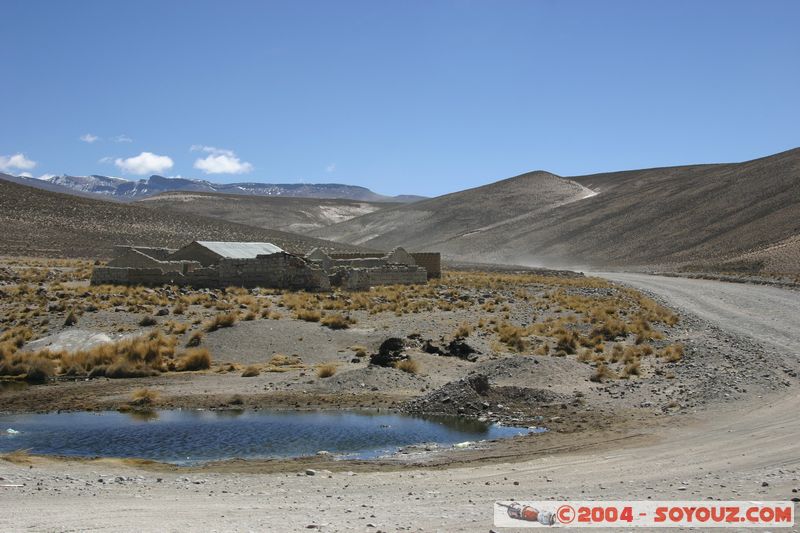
192	436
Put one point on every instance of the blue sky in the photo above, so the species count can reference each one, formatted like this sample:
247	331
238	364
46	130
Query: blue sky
422	97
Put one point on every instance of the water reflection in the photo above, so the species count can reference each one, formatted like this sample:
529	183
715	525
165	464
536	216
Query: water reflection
190	436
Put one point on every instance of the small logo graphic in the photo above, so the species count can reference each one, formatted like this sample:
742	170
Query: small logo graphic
527	513
565	514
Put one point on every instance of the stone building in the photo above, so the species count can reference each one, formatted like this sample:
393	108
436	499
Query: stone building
258	264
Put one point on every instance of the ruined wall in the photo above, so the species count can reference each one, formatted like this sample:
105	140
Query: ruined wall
133	258
399	275
430	261
161	254
279	270
201	277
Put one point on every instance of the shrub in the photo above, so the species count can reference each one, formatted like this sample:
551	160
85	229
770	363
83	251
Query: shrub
193	359
407	365
251	371
336	321
326	370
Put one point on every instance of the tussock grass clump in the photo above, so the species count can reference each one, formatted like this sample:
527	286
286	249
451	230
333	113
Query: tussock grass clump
602	373
672	353
142	356
407	365
148	321
463	331
283	363
193	359
360	351
309	315
144	397
336	321
567	341
71	320
632	369
326	370
251	371
222	320
512	336
195	339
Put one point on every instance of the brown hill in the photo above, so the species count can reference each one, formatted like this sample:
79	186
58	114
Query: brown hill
296	215
724	214
36	222
440	221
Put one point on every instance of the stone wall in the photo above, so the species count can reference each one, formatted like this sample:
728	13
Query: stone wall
201	277
133	258
430	261
279	270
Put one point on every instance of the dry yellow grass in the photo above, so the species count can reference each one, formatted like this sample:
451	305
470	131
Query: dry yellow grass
251	371
309	315
327	370
144	397
193	359
672	353
222	320
336	321
407	365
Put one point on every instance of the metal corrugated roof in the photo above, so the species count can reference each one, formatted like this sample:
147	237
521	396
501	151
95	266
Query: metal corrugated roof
240	250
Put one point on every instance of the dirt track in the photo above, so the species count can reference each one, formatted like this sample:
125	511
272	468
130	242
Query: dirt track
749	449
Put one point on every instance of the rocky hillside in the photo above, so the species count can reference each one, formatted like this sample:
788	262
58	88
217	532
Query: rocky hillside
738	215
40	223
437	222
296	215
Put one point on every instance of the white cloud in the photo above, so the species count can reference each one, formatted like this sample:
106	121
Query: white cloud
89	138
145	163
122	139
219	161
106	159
330	168
17	161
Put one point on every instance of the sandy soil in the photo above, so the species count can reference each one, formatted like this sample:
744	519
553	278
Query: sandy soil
745	447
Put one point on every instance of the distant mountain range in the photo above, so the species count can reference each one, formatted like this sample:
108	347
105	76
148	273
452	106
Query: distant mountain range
126	190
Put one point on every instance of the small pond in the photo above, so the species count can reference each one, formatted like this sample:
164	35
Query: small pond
194	436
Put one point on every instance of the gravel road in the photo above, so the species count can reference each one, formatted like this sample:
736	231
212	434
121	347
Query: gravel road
767	314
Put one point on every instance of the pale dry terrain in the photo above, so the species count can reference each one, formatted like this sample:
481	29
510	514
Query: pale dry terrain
42	223
737	216
295	215
744	448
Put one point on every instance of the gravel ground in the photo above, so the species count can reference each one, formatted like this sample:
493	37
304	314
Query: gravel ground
733	435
